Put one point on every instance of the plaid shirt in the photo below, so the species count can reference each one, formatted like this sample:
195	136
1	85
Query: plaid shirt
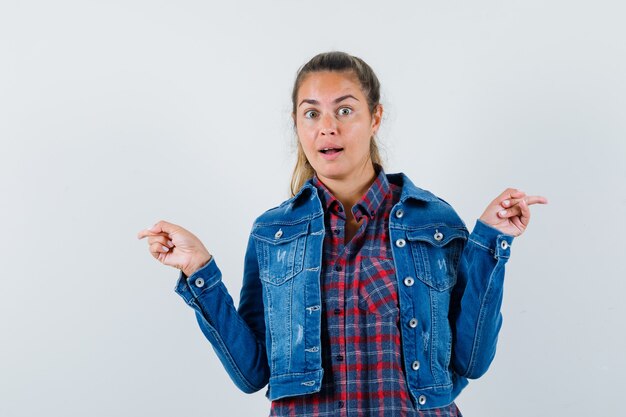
361	354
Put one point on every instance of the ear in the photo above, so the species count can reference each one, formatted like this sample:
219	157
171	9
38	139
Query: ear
377	117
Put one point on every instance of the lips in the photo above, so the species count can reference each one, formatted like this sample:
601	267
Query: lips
329	148
330	154
330	151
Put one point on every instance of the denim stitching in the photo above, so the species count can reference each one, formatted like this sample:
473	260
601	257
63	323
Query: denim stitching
481	319
481	245
434	335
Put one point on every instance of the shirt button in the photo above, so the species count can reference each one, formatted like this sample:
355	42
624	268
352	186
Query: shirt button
337	311
340	209
415	365
422	399
400	243
413	323
336	231
199	282
373	213
504	245
339	358
399	213
408	281
337	267
340	404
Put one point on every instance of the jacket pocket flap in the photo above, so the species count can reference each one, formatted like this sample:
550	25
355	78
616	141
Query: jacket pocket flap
436	235
277	234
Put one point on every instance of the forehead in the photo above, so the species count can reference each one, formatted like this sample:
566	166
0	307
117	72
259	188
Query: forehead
327	85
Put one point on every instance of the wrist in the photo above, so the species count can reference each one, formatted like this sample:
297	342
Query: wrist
197	263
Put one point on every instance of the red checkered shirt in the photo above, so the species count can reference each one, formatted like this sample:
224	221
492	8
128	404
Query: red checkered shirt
361	350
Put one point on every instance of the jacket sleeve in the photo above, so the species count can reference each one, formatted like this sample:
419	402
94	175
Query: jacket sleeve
475	316
237	335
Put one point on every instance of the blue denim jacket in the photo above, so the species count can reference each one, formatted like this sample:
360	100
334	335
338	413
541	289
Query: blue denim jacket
450	281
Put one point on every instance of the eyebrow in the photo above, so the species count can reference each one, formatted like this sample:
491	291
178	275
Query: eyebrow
337	100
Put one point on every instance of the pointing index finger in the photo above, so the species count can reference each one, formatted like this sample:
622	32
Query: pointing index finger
148	232
536	199
143	233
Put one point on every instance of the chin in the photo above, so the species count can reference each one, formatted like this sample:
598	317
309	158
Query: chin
332	173
329	170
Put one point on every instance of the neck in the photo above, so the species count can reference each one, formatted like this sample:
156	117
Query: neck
350	190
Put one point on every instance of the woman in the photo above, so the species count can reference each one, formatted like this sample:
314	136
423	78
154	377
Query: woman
362	293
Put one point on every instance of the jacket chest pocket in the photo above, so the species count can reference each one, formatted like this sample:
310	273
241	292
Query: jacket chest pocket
436	253
280	251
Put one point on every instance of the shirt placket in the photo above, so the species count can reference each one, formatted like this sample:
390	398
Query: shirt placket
345	274
351	254
336	309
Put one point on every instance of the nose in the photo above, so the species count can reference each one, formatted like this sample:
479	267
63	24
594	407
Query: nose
328	125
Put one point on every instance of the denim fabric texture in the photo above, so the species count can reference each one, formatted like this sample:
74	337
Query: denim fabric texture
451	281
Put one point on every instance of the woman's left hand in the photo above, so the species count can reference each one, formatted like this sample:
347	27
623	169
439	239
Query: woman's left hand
510	211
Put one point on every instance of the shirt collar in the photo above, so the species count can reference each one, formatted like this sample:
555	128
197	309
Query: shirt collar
369	204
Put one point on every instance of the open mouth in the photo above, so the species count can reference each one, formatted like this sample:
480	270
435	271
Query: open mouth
330	151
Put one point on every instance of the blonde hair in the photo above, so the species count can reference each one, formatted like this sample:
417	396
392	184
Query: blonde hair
340	62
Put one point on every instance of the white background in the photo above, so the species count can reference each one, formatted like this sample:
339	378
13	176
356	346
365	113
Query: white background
117	114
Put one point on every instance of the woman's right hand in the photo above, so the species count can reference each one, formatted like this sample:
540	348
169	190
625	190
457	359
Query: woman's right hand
175	246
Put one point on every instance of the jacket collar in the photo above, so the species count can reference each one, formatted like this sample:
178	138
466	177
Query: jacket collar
410	190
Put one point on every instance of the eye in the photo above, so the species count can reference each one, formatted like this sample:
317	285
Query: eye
310	114
344	111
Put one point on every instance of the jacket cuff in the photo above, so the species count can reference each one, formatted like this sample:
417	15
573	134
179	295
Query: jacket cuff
190	288
492	239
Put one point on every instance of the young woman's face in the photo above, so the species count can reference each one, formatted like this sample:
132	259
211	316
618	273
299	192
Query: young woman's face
334	125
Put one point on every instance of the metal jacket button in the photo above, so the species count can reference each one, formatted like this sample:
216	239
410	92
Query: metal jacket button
279	233
199	282
400	243
504	245
399	213
413	323
422	399
408	281
416	365
438	235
